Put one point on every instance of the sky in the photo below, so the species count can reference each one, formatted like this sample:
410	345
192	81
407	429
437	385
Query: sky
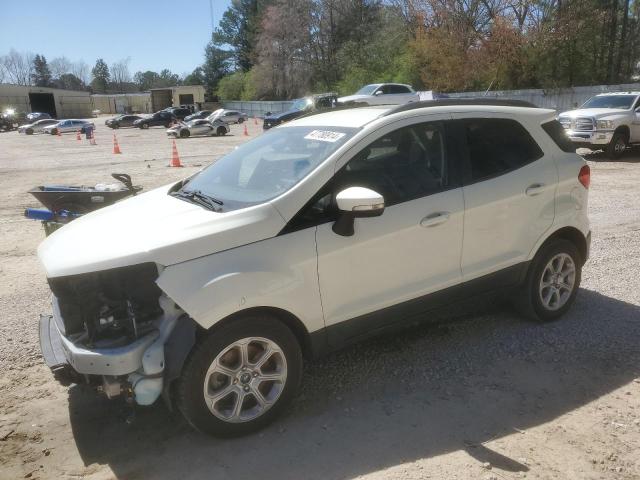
155	34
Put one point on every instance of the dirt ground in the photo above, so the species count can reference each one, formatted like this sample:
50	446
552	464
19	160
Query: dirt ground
485	396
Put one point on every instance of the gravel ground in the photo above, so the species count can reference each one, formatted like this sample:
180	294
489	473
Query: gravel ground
484	396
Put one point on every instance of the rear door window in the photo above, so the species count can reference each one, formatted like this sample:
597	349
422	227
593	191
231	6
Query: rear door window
496	146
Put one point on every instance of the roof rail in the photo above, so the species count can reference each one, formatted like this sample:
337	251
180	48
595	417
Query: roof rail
448	102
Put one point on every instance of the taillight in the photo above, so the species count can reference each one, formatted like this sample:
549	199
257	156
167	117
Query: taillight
584	177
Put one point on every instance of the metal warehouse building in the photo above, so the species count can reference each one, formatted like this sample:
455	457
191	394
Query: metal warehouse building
56	102
188	95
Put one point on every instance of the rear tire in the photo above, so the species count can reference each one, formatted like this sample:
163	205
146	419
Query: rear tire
222	378
144	126
552	282
54	132
240	120
617	146
29	131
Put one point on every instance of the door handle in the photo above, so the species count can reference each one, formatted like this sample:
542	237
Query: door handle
535	189
434	219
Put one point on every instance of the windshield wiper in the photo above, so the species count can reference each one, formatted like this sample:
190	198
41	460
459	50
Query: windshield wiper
200	198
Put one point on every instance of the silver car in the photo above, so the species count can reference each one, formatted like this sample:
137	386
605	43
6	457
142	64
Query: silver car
229	116
66	126
37	127
199	127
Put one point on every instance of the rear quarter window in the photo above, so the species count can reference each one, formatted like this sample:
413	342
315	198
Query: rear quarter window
559	136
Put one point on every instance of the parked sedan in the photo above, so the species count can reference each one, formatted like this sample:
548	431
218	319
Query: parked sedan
66	126
37	127
229	116
199	127
158	119
122	121
35	116
382	94
198	115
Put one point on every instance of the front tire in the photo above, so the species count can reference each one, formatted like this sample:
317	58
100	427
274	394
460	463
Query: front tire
144	126
552	282
29	131
240	377
221	132
240	120
617	146
184	133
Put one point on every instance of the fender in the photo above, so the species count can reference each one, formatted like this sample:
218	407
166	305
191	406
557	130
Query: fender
279	272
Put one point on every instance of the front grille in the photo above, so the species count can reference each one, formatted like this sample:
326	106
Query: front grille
584	124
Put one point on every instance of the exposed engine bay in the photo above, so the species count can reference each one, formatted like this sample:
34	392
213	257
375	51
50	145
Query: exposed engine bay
110	308
114	329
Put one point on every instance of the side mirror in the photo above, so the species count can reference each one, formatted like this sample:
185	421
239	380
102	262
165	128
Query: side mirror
379	92
356	202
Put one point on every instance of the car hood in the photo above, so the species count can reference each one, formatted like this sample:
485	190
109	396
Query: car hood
287	115
353	98
594	112
152	227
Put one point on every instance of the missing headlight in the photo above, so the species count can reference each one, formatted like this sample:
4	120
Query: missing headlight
108	308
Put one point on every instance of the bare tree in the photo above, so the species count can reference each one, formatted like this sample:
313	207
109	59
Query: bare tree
81	70
59	66
18	67
120	73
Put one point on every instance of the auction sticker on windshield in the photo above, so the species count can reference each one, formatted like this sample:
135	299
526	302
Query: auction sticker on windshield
324	136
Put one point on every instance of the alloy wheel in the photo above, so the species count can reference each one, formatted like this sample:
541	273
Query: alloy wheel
557	281
245	379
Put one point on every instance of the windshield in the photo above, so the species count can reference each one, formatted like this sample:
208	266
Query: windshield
610	101
268	166
302	104
367	90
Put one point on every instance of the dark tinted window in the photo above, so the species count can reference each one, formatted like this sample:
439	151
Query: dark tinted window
398	89
559	136
497	146
403	165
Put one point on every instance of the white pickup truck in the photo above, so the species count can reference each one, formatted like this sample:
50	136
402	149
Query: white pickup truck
609	122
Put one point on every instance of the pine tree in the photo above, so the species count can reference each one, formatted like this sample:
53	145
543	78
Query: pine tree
41	76
101	76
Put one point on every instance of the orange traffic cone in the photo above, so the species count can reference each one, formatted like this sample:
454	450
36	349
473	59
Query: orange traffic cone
246	132
116	147
58	132
255	120
175	159
78	137
92	138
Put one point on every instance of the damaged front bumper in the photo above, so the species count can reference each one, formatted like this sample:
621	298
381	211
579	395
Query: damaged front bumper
136	368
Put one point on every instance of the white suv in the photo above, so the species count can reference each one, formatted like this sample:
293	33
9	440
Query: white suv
321	232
